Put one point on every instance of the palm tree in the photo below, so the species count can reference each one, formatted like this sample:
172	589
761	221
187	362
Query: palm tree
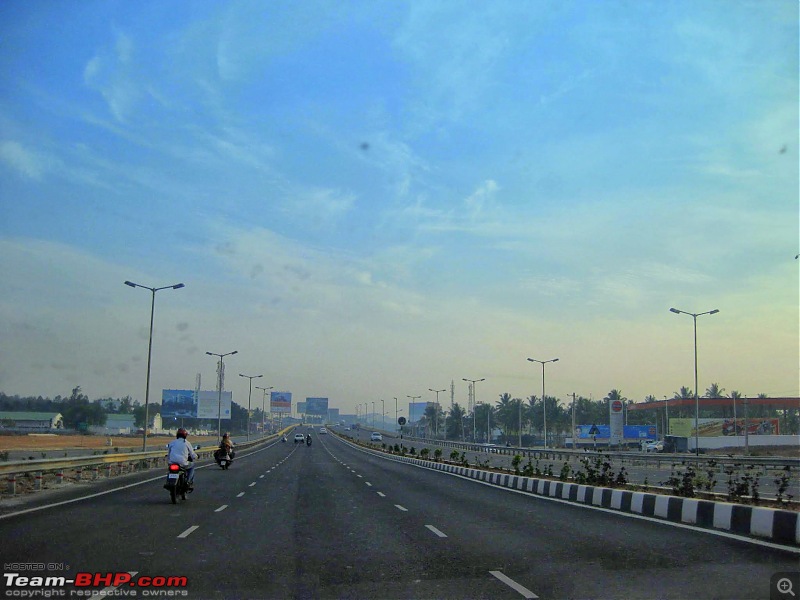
455	424
507	413
714	391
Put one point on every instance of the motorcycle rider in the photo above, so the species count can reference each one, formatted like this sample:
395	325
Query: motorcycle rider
227	445
181	452
308	439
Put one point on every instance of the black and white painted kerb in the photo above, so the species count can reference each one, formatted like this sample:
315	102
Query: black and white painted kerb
775	525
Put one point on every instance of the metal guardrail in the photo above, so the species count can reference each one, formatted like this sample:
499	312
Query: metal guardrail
151	459
766	462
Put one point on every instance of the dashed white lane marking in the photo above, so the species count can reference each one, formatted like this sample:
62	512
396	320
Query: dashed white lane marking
261	477
189	531
252	484
525	592
361	476
403	508
436	531
381	494
221	508
240	494
368	483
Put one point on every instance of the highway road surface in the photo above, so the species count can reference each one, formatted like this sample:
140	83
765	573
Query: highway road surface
333	521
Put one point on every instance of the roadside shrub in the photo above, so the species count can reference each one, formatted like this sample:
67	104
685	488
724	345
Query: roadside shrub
783	482
515	462
422	453
437	454
454	455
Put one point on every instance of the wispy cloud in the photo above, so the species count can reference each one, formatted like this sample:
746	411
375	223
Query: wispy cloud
22	160
109	73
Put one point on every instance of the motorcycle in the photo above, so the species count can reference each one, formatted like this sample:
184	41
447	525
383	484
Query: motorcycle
177	483
223	457
283	439
308	440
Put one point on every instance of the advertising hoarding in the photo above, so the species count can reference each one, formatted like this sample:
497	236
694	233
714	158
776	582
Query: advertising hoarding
722	426
280	402
603	432
317	407
183	404
416	410
301	408
208	403
178	403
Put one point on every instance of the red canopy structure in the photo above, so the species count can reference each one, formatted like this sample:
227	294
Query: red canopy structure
781	403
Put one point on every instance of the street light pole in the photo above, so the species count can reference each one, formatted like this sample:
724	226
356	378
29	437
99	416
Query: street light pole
696	394
263	405
249	396
436	412
383	414
544	401
177	286
219	385
474	402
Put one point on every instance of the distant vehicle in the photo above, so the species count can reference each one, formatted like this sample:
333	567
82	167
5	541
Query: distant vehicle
322	431
299	438
347	429
655	447
375	437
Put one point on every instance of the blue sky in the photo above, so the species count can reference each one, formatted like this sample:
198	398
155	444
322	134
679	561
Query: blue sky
369	199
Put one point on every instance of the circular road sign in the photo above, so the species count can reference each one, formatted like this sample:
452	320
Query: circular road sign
401	421
616	406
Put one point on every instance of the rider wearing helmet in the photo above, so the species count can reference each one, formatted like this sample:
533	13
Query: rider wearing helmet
180	451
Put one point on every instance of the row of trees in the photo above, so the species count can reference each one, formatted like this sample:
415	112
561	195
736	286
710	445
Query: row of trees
515	415
79	412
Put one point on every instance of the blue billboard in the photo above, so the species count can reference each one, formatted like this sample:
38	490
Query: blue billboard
178	403
317	406
603	432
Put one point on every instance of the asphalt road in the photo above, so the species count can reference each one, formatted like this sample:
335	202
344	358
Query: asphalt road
333	521
638	473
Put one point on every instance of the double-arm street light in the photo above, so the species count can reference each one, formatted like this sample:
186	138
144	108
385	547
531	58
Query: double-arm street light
696	395
220	379
249	396
177	286
436	411
263	405
544	402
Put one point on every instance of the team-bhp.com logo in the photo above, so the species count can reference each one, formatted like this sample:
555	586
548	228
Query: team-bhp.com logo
117	584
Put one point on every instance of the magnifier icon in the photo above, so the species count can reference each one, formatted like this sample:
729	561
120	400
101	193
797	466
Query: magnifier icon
784	586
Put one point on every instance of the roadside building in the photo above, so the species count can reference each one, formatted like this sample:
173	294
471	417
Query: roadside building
31	421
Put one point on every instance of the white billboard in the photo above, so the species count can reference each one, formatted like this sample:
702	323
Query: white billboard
208	403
